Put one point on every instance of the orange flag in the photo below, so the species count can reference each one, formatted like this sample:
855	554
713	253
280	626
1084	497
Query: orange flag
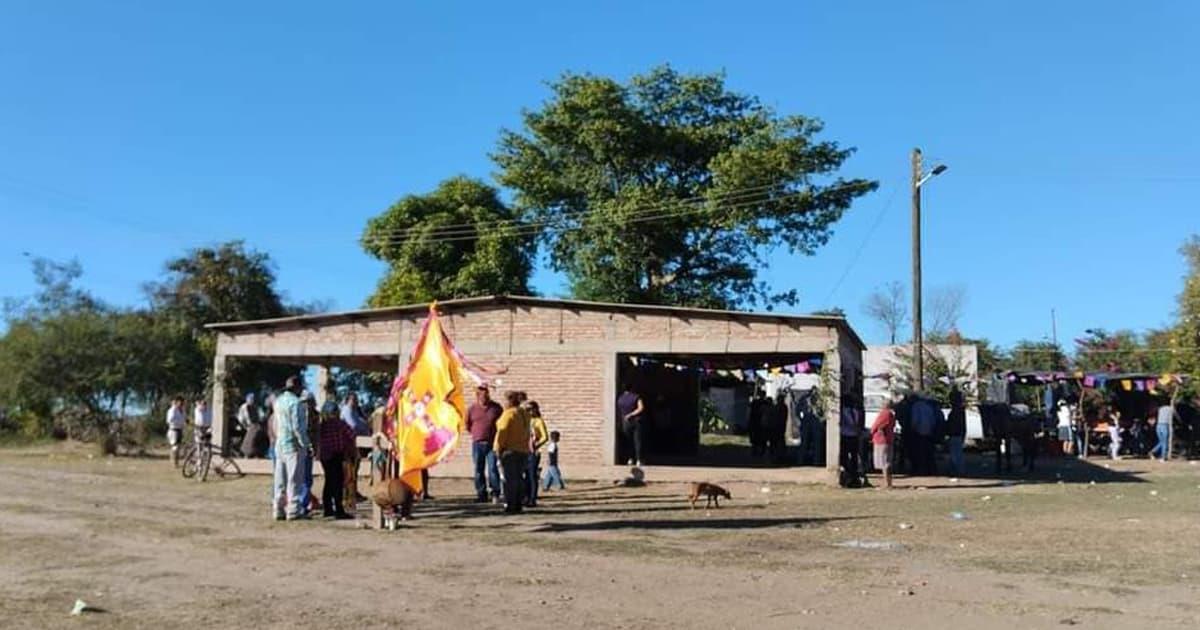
426	412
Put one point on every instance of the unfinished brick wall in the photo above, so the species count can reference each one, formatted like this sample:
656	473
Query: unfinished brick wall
563	354
569	388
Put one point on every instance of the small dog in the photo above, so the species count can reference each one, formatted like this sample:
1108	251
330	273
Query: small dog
712	491
395	498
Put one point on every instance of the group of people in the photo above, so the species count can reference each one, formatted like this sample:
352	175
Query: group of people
1150	436
768	427
299	434
922	426
506	450
177	421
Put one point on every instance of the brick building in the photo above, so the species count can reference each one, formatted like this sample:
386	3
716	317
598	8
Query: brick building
571	356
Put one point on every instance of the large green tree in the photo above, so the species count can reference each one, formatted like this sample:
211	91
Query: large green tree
226	282
671	188
71	361
458	241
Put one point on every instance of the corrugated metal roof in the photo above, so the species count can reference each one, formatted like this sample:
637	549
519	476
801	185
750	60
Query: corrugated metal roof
493	301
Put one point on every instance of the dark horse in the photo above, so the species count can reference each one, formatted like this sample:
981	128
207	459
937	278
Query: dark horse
1001	426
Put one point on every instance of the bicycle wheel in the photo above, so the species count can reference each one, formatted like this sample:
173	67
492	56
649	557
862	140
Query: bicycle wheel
228	468
191	463
205	463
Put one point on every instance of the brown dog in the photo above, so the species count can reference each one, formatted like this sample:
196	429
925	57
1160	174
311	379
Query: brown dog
395	498
711	491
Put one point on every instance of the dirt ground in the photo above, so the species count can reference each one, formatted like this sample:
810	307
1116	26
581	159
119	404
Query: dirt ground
130	537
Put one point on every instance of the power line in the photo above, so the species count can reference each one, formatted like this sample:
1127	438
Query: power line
648	214
736	192
866	239
1086	352
531	230
663	209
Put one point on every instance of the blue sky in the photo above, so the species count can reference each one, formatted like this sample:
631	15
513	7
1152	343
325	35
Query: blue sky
130	131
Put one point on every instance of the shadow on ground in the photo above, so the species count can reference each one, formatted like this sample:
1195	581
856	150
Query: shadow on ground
691	523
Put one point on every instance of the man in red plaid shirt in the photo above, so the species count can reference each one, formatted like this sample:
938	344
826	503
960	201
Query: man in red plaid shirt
336	440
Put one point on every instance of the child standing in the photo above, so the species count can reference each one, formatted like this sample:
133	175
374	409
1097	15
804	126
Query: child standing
553	474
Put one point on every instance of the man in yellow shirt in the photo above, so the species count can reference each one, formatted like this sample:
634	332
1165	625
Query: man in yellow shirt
538	436
512	444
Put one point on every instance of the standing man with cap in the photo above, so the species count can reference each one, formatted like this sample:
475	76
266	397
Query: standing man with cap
292	448
481	424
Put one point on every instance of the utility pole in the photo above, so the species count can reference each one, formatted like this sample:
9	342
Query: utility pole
918	341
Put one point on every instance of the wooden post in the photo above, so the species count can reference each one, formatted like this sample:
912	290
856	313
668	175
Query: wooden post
918	375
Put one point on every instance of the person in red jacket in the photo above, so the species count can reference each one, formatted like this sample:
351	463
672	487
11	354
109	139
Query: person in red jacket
883	432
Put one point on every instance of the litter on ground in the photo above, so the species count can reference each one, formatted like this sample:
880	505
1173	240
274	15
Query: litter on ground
874	545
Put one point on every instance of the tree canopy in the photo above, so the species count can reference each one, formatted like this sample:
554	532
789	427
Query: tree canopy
458	241
671	188
67	358
226	282
74	362
1186	337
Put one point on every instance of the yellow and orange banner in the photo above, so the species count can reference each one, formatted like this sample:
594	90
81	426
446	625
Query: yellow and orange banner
426	411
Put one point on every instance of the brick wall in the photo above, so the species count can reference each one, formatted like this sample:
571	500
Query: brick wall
569	388
559	355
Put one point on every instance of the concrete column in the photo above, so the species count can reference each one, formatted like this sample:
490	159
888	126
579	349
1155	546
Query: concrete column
831	372
608	446
219	413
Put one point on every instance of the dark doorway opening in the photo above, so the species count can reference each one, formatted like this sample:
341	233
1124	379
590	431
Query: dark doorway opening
698	408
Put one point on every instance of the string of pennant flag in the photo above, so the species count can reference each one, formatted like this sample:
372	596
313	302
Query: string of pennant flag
709	368
1098	380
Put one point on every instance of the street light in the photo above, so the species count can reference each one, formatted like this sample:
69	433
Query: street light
919	177
937	170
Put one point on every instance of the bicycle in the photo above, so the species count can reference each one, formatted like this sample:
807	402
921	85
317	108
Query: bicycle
198	461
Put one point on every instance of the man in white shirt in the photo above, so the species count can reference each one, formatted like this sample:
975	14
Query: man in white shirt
176	420
201	422
1066	427
248	413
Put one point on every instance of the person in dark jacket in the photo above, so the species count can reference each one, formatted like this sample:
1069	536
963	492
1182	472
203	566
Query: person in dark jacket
956	431
755	426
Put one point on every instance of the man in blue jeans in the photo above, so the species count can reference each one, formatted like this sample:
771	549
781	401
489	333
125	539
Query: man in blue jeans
481	424
292	448
1166	414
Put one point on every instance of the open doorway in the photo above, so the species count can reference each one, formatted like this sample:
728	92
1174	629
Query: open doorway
725	410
